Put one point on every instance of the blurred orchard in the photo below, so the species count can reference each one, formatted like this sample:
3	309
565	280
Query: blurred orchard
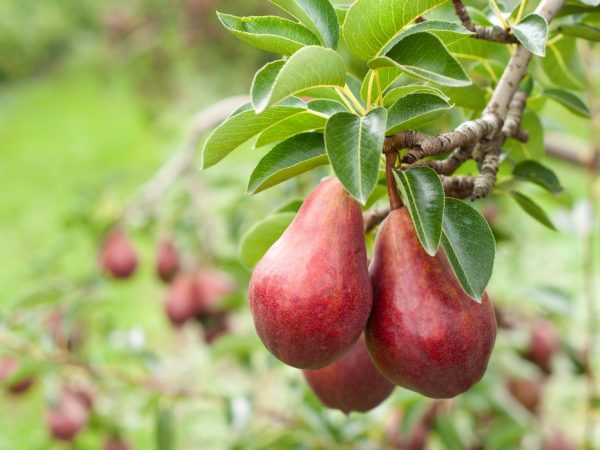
124	269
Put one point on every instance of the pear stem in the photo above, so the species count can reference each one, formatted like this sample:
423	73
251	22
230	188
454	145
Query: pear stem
392	187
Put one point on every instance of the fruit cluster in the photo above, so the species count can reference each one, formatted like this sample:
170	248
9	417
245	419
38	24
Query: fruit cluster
313	295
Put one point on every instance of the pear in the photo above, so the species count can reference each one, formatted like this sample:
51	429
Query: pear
115	443
543	345
117	255
8	369
212	286
67	418
167	260
352	383
424	333
310	294
527	391
181	302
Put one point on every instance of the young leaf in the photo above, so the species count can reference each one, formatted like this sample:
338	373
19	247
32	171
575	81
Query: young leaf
258	239
319	16
290	126
240	128
341	11
287	159
354	146
424	56
532	32
423	195
273	34
387	76
469	245
309	67
415	110
539	174
569	101
533	209
370	26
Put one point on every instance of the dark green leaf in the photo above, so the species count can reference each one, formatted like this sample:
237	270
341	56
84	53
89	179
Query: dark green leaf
448	32
423	195
240	128
326	106
581	30
537	173
273	34
309	67
287	159
569	101
396	93
319	16
370	27
533	209
532	32
354	145
290	126
258	239
469	245
415	110
424	55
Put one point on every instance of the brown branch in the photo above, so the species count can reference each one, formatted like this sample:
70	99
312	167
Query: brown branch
373	217
493	33
449	165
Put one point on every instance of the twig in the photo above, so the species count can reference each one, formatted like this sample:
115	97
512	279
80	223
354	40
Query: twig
151	192
374	217
493	33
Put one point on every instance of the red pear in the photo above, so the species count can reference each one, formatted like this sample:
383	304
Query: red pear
67	418
115	443
167	260
558	441
424	333
543	344
352	383
181	302
214	325
527	391
310	294
8	367
212	286
117	255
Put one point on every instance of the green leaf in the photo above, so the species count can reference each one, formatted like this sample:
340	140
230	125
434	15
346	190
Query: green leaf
319	16
424	56
290	126
415	110
469	244
240	128
291	205
562	64
371	25
287	159
341	11
532	32
569	101
326	106
261	236
533	209
472	97
165	429
580	30
448	32
423	195
354	146
273	34
539	174
309	67
387	76
396	93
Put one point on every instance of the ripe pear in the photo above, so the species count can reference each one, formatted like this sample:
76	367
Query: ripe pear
67	418
167	260
543	344
527	391
352	383
115	443
424	333
310	294
8	368
214	325
212	286
181	302
117	255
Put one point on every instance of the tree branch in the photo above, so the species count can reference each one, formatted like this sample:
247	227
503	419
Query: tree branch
494	33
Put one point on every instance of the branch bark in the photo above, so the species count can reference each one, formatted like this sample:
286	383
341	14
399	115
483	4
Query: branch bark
494	33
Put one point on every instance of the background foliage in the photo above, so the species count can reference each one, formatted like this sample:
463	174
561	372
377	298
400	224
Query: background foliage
94	97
